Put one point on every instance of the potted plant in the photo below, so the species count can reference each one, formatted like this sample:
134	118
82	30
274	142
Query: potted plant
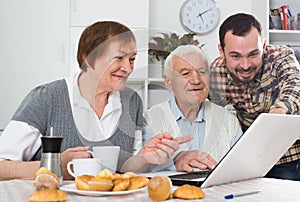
161	46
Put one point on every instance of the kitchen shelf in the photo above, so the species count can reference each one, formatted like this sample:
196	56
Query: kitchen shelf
284	35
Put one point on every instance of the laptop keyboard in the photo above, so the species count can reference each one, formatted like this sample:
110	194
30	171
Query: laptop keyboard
192	175
190	178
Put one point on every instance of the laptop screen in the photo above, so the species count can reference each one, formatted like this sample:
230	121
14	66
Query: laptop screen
254	154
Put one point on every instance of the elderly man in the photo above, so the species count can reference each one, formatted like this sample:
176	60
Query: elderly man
188	111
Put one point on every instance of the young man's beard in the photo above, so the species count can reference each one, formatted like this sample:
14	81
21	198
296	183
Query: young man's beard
252	69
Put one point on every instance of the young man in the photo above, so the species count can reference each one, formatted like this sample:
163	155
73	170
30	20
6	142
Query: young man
256	78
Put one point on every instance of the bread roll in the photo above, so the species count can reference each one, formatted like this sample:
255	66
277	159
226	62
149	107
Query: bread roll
121	184
96	184
93	183
45	179
48	195
137	182
128	175
159	188
81	182
188	192
104	174
116	176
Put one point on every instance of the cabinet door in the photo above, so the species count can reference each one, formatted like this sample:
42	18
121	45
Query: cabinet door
86	12
133	13
34	48
74	39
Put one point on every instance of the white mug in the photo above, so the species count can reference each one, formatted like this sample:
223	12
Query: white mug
108	156
84	166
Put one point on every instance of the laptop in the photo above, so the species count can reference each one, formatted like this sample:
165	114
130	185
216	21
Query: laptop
253	155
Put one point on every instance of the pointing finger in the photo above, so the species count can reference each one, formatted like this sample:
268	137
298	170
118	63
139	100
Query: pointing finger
184	139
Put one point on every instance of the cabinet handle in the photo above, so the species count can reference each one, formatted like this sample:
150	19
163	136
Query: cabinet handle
74	5
74	53
64	53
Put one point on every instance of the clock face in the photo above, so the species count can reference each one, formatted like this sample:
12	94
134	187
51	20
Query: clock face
199	16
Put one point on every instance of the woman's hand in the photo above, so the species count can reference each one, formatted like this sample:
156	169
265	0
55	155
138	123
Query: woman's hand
160	148
70	154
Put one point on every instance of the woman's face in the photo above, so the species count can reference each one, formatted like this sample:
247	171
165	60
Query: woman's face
115	65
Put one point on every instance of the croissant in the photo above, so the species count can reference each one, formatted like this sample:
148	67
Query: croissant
48	195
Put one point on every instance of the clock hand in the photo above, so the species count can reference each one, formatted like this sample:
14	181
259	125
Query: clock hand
200	14
201	18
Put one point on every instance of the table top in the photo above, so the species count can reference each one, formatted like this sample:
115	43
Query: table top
270	190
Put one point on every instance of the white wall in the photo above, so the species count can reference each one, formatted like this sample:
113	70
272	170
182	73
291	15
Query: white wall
164	15
17	22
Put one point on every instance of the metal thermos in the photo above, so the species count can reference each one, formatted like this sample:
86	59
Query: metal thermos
51	155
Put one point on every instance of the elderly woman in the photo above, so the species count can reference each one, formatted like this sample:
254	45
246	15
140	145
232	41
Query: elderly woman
93	108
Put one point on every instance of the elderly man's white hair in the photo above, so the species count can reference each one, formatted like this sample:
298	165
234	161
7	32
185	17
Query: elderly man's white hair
181	51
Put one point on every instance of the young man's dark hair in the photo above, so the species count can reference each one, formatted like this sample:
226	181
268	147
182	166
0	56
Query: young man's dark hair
240	24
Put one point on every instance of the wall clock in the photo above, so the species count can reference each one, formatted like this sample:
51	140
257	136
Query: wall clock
199	16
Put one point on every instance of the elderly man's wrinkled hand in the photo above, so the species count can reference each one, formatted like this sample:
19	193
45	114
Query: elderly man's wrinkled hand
188	160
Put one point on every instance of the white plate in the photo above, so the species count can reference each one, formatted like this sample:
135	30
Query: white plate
72	188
